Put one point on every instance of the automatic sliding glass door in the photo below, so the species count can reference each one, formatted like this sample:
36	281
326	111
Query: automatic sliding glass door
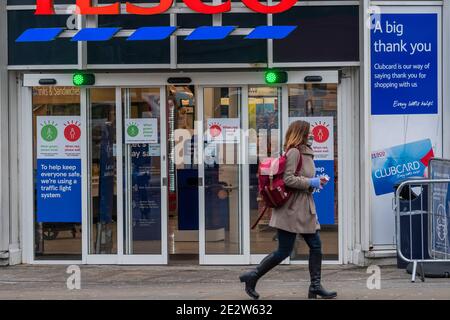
221	214
102	183
145	194
127	192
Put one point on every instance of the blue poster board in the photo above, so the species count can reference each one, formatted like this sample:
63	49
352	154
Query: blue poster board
146	193
58	190
324	199
404	63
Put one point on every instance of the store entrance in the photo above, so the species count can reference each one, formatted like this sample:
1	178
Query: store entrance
168	173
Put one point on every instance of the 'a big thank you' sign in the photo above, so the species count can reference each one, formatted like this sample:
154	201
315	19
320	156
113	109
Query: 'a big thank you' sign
404	64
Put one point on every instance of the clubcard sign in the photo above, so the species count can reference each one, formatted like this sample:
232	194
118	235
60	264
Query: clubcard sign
58	172
396	163
323	146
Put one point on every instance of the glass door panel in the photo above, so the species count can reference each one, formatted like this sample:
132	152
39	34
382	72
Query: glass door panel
264	118
222	171
57	197
142	171
317	104
103	171
183	191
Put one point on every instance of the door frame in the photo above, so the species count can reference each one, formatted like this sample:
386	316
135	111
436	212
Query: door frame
143	80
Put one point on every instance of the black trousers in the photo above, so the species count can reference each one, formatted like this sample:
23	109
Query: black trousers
286	241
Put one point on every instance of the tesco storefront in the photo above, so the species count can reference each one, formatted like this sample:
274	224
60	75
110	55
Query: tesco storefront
103	106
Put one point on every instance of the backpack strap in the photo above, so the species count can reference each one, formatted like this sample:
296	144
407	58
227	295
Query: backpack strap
299	167
259	218
300	161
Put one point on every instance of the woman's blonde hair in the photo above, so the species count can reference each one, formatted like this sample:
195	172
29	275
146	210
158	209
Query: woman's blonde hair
296	135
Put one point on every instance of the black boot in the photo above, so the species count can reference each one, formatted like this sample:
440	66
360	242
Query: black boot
315	270
251	277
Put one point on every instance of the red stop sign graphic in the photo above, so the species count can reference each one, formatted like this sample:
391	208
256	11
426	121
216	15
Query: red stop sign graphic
321	133
72	132
215	130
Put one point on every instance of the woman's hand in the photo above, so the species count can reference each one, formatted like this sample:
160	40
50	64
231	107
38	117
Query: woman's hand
315	183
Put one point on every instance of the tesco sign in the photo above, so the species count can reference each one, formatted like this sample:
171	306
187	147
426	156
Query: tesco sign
85	7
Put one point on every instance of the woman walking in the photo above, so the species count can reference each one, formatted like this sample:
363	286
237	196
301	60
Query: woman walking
297	215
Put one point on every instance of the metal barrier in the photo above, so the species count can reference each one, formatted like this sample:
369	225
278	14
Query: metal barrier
435	216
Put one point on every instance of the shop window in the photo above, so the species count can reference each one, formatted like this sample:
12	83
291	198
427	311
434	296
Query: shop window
60	51
193	20
233	49
244	20
131	21
120	51
324	33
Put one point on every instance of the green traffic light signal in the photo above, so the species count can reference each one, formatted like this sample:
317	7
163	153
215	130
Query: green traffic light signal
275	76
83	79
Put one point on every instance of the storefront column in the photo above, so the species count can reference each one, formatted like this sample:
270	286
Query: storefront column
4	154
362	224
446	78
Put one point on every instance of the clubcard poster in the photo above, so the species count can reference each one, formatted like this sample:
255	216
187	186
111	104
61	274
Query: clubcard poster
396	163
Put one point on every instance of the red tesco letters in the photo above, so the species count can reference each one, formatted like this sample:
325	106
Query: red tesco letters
85	7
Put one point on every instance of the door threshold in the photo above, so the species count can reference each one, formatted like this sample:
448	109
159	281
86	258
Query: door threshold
183	259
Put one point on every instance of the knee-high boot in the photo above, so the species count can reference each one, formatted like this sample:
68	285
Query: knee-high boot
315	270
251	277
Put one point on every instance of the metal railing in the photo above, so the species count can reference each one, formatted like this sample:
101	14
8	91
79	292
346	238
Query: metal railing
433	223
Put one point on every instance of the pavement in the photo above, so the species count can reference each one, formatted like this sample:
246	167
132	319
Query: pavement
209	282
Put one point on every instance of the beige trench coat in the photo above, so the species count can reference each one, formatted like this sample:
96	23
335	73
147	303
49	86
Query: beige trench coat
298	215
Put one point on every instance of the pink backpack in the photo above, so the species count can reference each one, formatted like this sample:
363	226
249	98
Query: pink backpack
271	186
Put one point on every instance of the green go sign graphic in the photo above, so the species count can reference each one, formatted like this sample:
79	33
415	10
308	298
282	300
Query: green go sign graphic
132	130
49	132
141	130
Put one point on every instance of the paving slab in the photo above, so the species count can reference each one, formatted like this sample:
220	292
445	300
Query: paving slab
208	282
